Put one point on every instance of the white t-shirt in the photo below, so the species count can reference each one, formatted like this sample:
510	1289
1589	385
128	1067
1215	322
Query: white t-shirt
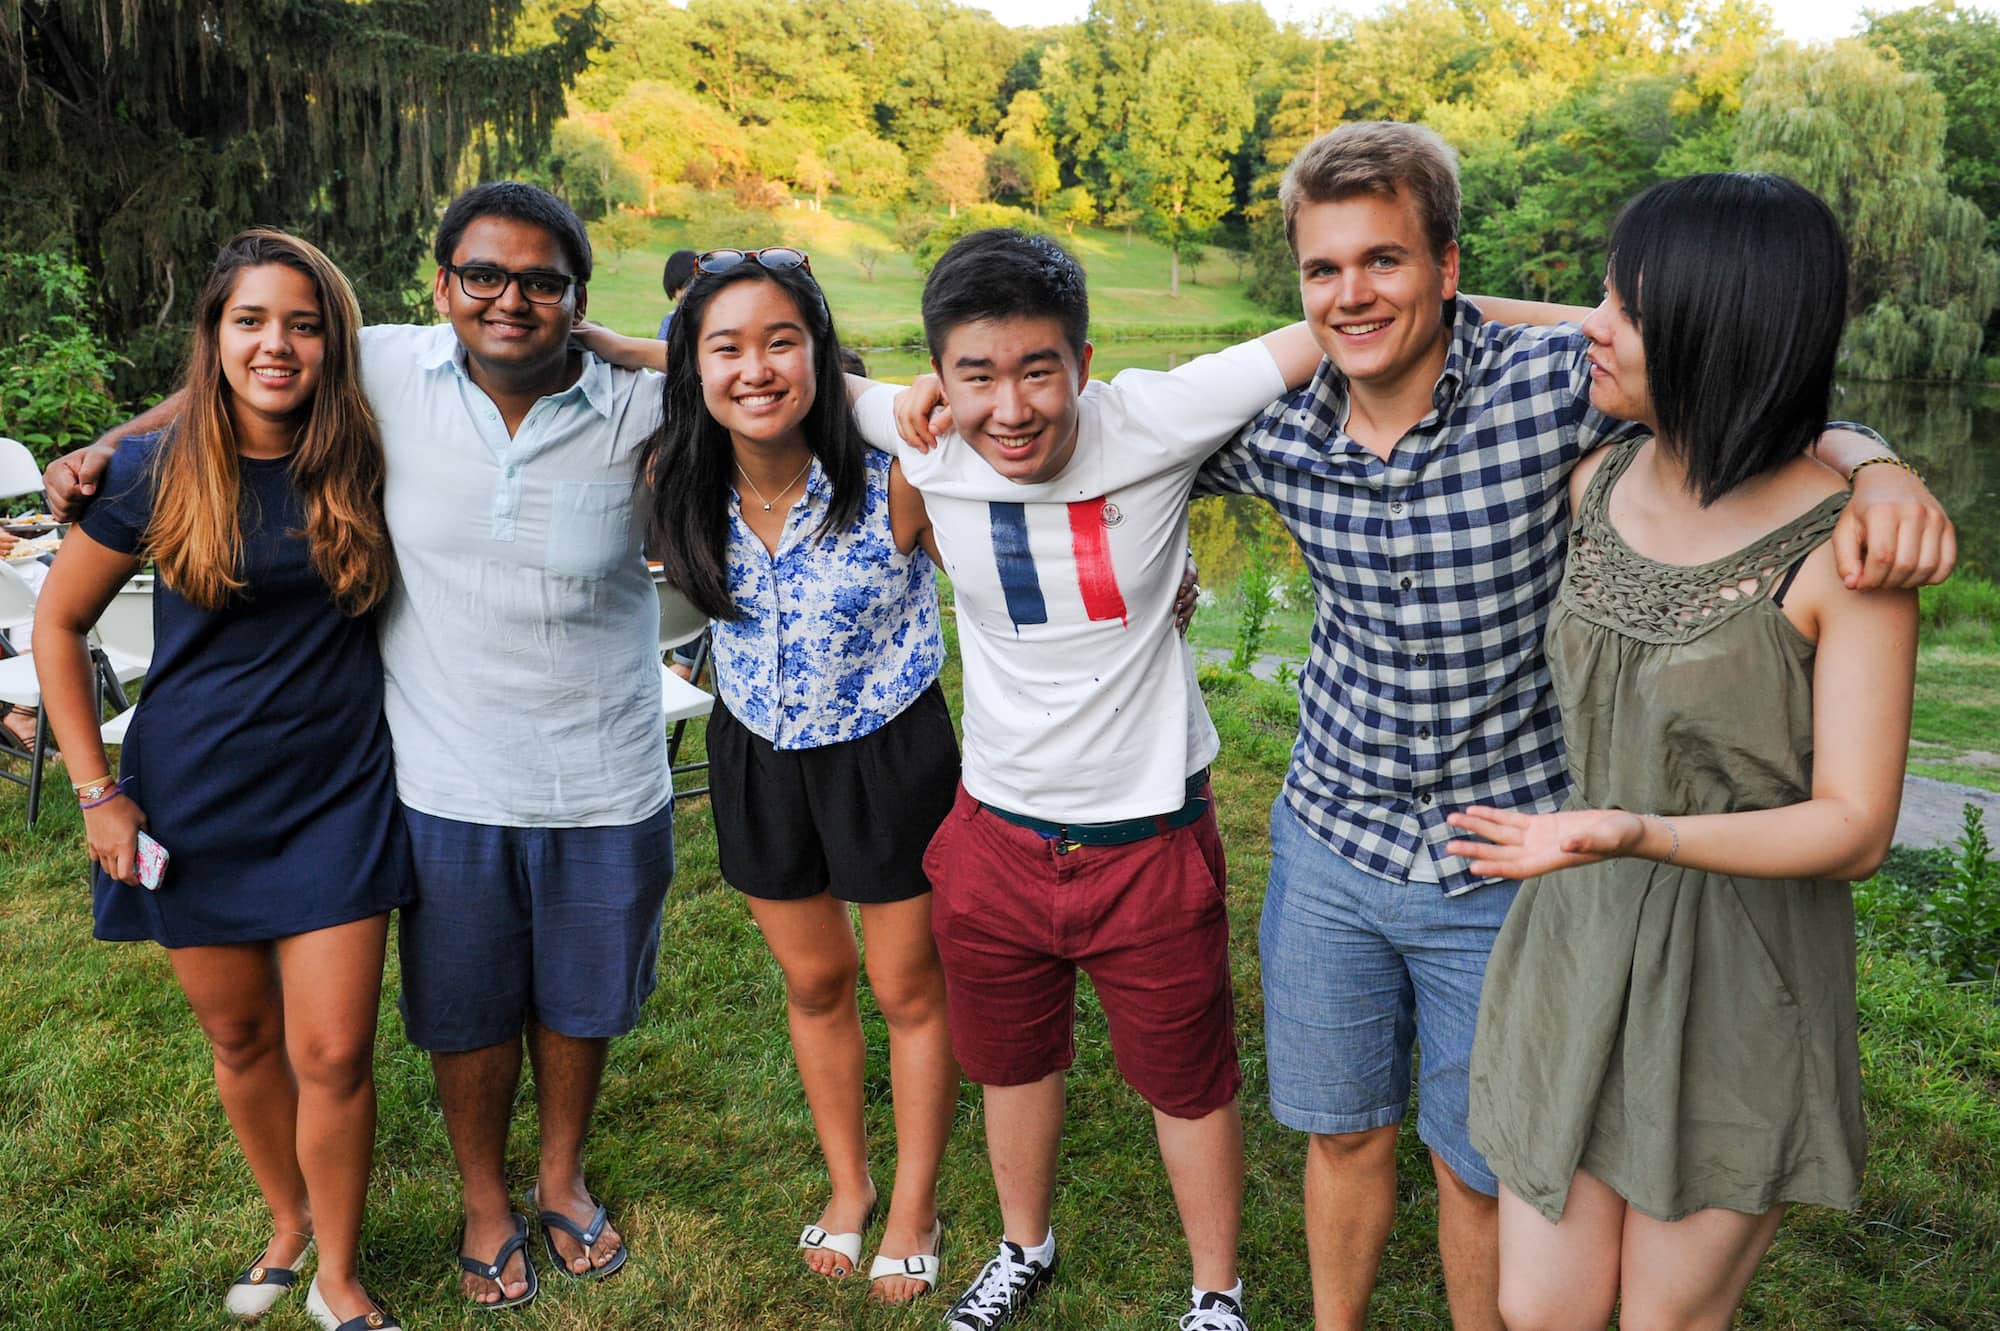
520	646
1080	697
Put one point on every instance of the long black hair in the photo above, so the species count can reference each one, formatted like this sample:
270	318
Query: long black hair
690	462
1738	283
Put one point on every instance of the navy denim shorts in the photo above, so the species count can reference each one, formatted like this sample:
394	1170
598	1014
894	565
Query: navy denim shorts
1357	969
558	925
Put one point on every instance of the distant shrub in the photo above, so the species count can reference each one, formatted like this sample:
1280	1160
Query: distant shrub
1941	906
54	370
1963	603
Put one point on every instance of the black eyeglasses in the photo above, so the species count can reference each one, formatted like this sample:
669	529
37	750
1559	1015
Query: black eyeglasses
482	281
777	258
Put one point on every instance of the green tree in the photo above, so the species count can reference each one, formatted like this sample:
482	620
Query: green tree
1960	50
1189	116
1848	121
1073	206
138	136
870	169
1024	165
957	170
587	166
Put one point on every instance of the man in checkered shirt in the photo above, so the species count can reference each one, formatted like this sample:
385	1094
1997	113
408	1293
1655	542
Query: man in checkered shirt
1424	474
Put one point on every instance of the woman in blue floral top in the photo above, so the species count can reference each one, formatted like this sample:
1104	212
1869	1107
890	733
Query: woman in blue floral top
832	757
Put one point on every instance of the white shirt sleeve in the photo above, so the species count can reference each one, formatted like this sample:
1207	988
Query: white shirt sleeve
1191	411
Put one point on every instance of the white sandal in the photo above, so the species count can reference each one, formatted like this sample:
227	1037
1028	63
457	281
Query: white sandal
253	1293
844	1245
921	1267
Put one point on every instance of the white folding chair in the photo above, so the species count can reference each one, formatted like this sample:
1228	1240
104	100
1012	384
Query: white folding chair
121	653
18	473
681	700
17	608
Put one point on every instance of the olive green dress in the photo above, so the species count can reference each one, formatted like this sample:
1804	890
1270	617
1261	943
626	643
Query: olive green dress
1688	1038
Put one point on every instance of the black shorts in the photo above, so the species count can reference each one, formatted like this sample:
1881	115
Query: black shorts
853	817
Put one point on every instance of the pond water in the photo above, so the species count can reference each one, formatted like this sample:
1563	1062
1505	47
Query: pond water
1951	434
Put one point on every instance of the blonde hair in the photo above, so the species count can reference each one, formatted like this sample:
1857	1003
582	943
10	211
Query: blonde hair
196	534
1377	157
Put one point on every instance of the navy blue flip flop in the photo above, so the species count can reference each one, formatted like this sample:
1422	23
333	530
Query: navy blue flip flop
586	1235
491	1270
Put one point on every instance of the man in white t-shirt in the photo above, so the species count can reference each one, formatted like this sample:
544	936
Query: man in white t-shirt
1084	833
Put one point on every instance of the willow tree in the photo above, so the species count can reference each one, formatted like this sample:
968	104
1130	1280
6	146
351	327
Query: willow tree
138	136
1851	123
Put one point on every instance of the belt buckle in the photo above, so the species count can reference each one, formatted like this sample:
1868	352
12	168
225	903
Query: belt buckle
1064	845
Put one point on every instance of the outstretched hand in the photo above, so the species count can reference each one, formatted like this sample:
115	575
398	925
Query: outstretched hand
922	417
1522	845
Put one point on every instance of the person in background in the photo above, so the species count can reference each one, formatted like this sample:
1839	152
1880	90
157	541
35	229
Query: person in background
260	759
674	279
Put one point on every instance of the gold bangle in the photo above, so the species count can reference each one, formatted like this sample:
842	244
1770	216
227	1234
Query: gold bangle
94	781
1886	459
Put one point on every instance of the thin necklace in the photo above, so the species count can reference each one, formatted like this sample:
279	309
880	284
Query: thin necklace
781	494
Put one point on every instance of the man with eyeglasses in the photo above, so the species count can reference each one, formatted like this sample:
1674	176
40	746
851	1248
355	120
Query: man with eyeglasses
520	651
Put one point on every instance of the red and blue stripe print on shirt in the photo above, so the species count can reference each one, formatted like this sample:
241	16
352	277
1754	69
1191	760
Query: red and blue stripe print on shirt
1090	548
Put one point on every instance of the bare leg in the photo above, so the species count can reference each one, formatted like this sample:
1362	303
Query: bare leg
332	981
1561	1277
1204	1160
813	943
1350	1204
1689	1275
908	982
236	997
1023	1131
1469	1243
568	1073
476	1092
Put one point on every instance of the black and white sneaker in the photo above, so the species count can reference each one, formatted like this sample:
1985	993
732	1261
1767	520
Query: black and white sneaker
1003	1288
1214	1312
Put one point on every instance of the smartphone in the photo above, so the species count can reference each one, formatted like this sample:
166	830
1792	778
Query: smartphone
152	862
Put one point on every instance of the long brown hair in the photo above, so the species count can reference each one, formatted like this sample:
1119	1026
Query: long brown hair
196	534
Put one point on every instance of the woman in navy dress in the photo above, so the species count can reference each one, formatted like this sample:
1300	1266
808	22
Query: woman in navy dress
259	759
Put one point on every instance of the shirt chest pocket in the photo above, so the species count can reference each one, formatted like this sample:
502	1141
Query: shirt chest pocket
590	527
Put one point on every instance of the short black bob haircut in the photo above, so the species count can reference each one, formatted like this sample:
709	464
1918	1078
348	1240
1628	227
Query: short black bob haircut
691	462
1738	283
520	203
678	273
1001	273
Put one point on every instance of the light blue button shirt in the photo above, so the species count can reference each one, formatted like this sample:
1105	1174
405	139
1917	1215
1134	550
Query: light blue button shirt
520	645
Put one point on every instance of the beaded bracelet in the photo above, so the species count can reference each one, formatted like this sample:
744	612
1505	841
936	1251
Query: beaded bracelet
1886	459
1673	832
110	795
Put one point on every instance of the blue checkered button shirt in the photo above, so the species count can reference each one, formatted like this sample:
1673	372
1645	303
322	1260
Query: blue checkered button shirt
1434	572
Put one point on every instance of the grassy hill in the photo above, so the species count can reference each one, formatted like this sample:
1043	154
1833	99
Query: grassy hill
1128	280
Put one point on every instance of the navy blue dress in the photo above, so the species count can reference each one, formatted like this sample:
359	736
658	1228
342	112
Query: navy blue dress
260	752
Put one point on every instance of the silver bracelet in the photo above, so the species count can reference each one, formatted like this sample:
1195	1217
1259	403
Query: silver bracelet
1673	832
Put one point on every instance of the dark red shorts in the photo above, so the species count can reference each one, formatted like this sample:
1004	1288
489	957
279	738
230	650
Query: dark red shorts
1015	917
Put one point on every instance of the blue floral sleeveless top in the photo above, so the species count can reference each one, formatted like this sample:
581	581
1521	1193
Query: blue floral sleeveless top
834	636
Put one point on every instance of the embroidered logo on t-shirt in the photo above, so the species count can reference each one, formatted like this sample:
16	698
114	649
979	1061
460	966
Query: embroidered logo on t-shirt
1020	579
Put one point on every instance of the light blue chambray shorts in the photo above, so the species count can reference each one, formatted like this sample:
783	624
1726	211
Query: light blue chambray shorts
1355	968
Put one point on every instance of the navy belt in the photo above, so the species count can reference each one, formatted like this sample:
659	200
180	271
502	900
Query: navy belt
1068	836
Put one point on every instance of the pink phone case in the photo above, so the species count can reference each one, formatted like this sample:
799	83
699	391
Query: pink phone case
152	862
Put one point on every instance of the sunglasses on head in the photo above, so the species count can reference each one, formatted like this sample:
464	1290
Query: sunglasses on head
777	258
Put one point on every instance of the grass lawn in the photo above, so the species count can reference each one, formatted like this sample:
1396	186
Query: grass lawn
131	1207
1955	728
1128	282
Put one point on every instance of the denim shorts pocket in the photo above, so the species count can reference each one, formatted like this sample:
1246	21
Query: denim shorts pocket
590	527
